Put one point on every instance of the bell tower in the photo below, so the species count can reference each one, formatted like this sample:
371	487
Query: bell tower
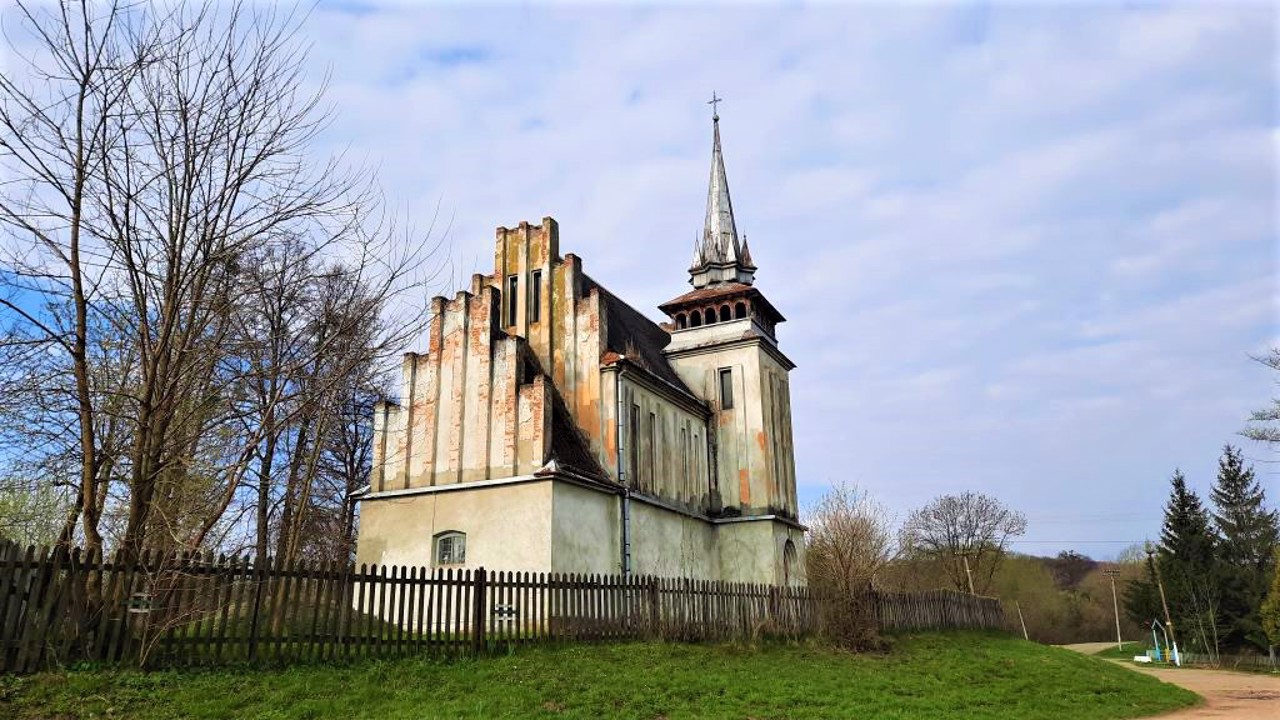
724	347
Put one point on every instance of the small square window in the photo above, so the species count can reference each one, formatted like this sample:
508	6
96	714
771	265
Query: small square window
451	549
726	389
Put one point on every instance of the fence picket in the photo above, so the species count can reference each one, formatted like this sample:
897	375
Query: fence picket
179	609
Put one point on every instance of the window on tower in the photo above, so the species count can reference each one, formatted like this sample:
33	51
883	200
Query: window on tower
739	311
709	316
513	286
535	296
726	389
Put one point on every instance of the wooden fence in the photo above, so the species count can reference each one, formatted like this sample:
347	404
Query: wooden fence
172	610
58	608
1236	662
937	609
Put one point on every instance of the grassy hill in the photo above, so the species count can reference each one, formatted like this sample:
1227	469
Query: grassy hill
951	675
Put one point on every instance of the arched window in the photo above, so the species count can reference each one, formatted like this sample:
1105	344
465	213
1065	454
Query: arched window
740	311
709	316
450	548
680	321
725	316
695	320
788	562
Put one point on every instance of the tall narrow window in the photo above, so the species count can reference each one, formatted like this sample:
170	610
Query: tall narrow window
635	446
535	296
513	286
726	389
684	458
653	452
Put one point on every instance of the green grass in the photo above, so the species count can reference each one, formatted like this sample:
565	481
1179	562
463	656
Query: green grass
952	675
1130	649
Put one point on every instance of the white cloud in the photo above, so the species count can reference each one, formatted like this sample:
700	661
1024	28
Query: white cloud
1024	250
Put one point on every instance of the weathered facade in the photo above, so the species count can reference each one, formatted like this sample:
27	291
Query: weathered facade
552	427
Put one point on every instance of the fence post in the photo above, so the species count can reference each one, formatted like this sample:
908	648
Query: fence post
653	607
477	613
261	567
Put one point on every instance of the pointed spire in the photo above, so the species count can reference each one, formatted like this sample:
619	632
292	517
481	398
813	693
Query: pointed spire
719	232
718	255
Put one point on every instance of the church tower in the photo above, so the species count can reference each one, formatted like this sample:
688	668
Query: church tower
724	347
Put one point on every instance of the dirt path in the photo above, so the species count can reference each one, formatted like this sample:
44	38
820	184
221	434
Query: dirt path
1235	695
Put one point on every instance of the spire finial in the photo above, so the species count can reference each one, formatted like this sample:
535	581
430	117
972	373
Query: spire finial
714	102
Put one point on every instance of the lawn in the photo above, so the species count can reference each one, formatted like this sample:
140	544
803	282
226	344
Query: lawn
1131	648
951	675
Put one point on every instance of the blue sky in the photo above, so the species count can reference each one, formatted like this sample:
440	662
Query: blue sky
1023	249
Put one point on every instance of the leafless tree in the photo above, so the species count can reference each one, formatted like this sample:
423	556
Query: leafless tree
849	542
967	534
159	155
53	141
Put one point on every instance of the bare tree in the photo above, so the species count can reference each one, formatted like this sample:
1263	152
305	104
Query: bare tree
160	154
849	539
967	534
849	542
53	141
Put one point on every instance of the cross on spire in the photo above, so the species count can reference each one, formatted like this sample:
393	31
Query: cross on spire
713	102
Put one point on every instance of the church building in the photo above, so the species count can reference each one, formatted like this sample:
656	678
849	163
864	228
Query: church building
552	427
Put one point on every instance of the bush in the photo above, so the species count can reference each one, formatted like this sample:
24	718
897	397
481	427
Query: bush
849	543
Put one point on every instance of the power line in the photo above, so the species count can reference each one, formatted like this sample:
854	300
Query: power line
1076	542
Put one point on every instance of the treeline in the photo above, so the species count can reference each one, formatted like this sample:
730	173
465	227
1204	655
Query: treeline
1062	599
196	313
1214	565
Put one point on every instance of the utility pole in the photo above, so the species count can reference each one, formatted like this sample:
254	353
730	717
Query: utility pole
1115	604
1168	619
968	574
1021	622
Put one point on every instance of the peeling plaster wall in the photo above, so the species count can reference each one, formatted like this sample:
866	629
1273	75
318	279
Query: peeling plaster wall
472	407
666	457
754	456
479	405
670	544
508	527
587	531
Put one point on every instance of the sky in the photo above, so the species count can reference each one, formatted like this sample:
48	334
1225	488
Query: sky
1023	249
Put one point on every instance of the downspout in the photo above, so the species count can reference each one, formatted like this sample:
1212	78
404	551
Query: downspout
622	478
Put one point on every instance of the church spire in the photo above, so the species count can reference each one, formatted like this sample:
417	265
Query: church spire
719	249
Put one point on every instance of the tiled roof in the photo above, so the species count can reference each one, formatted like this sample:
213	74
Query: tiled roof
722	291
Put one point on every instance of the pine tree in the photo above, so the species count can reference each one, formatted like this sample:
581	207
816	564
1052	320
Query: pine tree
1247	536
1142	598
1189	568
1271	606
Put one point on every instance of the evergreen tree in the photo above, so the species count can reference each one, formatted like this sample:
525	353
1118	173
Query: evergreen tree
1247	536
1189	568
1141	597
1271	606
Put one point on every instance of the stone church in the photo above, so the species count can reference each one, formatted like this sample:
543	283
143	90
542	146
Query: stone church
552	427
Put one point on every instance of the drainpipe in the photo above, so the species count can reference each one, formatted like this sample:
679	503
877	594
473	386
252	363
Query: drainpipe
622	478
